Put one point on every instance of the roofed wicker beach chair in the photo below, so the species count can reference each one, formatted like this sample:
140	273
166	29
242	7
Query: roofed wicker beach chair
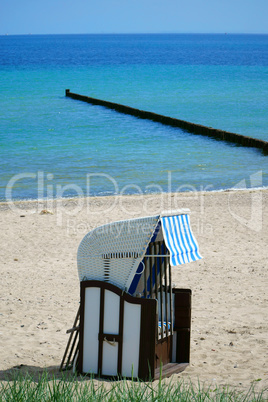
131	320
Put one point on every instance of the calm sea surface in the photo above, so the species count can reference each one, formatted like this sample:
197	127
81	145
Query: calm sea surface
54	146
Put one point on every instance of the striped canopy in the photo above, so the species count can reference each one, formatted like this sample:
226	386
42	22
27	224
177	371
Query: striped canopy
174	228
118	251
179	239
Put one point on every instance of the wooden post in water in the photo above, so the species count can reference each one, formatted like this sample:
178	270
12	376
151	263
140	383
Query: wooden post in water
170	121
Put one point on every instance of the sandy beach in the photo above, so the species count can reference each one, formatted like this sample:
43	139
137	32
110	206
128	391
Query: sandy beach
40	287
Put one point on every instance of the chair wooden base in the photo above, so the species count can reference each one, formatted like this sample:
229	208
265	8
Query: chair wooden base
119	335
169	369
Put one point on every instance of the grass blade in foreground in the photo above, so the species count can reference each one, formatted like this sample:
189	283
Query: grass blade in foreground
26	388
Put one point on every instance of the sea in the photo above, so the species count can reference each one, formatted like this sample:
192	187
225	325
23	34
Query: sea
53	146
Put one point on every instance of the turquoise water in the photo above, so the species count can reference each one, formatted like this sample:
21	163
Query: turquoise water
214	80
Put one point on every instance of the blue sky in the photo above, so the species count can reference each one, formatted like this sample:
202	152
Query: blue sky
133	16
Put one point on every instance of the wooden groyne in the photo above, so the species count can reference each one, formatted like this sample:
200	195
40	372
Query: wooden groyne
170	121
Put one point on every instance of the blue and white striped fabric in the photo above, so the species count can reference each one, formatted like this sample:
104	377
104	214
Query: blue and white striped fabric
179	239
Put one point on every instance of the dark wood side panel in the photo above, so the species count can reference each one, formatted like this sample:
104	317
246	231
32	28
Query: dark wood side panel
147	339
147	333
102	296
182	325
163	351
120	345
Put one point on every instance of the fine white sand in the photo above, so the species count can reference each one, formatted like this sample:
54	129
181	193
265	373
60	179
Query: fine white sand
40	287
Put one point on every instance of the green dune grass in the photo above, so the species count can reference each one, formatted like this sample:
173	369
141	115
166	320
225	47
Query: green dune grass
25	387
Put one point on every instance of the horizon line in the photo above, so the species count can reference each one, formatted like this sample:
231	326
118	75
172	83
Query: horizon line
136	33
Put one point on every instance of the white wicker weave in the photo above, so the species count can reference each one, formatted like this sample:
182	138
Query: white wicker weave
112	252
